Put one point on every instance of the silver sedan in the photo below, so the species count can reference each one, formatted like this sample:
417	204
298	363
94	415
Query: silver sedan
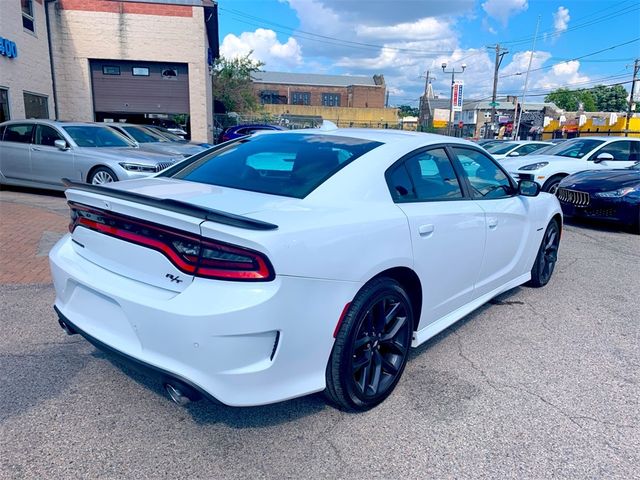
39	153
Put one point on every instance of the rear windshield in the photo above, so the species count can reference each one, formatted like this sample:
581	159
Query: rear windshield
287	164
501	148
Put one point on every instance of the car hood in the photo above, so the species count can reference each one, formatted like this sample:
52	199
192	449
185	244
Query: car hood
126	153
602	180
230	200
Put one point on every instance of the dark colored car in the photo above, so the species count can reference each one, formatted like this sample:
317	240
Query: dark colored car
610	195
242	130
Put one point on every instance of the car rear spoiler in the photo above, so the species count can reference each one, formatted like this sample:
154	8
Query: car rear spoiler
174	206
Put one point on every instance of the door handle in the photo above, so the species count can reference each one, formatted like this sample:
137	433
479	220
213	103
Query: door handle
36	149
492	222
426	230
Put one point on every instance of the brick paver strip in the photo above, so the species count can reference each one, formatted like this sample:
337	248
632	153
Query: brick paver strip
24	233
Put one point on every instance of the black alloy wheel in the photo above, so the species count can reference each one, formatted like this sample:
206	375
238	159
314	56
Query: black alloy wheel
372	346
547	256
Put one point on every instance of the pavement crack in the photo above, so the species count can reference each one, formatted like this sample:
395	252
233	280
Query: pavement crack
543	318
482	373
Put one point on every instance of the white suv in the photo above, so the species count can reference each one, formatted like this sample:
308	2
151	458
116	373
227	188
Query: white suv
572	156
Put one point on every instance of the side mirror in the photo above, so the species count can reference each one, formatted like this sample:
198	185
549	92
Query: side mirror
61	145
514	154
603	157
528	188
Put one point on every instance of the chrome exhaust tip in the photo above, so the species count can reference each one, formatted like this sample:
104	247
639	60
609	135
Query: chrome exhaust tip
176	394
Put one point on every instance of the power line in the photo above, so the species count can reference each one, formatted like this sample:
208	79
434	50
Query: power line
297	33
576	58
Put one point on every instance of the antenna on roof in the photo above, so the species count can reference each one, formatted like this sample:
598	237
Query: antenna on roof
327	125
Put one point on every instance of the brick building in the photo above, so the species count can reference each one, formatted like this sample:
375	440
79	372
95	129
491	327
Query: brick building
94	60
319	90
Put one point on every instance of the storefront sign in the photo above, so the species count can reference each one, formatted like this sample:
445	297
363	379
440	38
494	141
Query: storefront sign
457	95
440	118
8	48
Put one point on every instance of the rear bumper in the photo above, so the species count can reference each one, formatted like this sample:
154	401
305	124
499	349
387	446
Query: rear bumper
241	343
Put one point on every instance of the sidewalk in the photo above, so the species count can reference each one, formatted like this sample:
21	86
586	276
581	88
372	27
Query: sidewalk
30	224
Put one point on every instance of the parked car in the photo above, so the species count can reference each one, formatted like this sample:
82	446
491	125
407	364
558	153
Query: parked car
243	130
39	153
151	141
518	148
170	125
610	195
288	263
572	156
172	137
485	142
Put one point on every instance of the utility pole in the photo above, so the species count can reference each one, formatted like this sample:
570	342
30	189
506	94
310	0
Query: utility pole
453	72
423	103
500	53
636	67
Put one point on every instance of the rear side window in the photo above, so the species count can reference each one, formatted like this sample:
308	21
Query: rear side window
19	133
286	164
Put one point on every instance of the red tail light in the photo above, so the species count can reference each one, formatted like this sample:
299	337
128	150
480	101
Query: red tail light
190	253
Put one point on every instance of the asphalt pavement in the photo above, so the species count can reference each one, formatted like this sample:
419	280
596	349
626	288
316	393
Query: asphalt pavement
541	383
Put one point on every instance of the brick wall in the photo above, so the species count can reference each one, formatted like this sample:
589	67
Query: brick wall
354	96
31	70
98	29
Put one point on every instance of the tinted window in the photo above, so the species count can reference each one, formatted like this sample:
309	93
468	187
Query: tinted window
530	148
487	180
20	133
431	175
90	136
287	164
45	135
621	151
35	106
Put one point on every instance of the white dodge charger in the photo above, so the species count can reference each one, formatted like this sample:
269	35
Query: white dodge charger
287	263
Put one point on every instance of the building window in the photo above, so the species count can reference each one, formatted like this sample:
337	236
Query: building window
330	99
301	98
272	97
110	70
35	106
169	73
4	105
27	15
140	71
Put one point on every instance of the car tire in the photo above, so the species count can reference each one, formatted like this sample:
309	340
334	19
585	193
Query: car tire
102	175
372	346
551	185
547	256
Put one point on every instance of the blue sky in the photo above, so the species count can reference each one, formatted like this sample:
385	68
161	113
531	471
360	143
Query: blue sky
402	39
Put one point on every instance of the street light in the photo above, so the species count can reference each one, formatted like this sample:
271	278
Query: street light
453	72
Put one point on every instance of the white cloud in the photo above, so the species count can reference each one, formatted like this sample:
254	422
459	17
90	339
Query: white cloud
560	21
502	10
564	74
425	29
265	47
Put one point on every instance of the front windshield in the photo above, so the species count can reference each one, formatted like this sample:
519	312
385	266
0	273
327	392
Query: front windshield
501	148
96	136
143	135
167	134
576	148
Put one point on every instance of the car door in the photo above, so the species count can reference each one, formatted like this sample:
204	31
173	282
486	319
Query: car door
15	163
625	153
507	217
447	229
49	164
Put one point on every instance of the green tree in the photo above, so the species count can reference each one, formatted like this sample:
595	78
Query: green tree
610	99
407	111
232	83
571	99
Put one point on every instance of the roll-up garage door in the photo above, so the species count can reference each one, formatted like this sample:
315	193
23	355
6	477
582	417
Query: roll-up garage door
140	87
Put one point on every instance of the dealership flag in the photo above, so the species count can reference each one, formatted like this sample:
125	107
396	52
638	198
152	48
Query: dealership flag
458	86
